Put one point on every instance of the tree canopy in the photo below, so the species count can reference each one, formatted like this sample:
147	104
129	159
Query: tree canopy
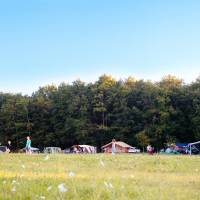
135	111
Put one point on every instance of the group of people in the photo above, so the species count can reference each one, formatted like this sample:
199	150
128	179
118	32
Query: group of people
9	147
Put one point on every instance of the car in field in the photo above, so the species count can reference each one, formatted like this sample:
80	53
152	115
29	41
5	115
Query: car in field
52	150
67	150
133	150
33	150
3	149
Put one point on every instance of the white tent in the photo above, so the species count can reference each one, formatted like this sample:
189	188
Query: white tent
88	148
84	149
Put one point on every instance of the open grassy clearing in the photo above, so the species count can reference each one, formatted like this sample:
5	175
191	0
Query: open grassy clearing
99	176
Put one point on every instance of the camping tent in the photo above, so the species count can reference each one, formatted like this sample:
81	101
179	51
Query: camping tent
194	147
121	147
83	149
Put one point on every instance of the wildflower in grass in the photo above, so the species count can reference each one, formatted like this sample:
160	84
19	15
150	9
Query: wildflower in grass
61	188
102	163
105	183
122	187
21	175
4	182
42	197
23	166
71	174
49	188
46	157
13	182
132	176
108	185
13	189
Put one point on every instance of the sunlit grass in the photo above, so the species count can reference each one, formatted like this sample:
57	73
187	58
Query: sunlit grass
99	177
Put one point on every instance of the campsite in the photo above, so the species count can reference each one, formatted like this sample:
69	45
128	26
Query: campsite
121	147
99	100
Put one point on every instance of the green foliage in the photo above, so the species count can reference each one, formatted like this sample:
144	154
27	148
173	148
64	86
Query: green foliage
97	112
142	139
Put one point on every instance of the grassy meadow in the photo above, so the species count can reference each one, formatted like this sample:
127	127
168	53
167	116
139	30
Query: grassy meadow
99	177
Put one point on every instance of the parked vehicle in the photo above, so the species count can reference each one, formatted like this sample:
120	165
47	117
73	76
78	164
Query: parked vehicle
33	150
67	150
52	150
3	149
133	150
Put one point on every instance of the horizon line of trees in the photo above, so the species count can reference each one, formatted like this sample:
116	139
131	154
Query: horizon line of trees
135	111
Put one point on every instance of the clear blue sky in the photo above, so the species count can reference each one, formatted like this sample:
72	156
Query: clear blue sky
50	41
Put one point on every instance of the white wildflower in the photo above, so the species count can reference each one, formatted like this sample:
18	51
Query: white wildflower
49	188
46	157
21	175
13	189
110	185
13	182
23	166
42	197
61	188
102	163
106	184
71	174
132	176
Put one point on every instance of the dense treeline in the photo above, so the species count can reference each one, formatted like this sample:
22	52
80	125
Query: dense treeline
137	112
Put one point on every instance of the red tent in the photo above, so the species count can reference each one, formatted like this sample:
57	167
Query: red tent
121	147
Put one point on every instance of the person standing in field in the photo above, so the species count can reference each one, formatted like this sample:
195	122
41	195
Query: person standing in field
9	147
150	149
113	146
28	145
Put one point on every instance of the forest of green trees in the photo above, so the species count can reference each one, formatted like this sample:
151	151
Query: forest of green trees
135	111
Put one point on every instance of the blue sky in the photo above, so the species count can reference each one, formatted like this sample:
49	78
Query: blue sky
50	41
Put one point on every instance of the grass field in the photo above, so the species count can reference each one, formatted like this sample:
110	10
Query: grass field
99	177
